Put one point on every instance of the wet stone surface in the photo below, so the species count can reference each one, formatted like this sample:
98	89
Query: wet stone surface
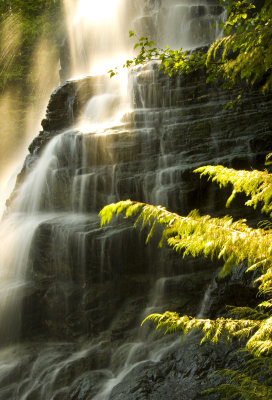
91	287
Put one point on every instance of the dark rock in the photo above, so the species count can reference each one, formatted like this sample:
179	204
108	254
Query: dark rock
67	101
92	286
180	374
216	10
198	11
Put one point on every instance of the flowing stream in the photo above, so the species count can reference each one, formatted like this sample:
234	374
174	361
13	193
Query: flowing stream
72	295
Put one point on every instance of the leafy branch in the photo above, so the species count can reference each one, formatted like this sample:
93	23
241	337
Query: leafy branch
240	59
255	184
234	242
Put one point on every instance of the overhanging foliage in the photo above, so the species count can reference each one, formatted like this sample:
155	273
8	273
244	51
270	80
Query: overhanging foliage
234	242
241	58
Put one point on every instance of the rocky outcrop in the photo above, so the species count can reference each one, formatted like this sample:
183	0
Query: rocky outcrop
92	287
67	101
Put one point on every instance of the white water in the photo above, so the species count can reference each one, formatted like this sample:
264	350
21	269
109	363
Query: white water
98	41
8	181
98	31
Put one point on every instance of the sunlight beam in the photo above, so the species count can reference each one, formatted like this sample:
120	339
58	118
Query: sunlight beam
96	11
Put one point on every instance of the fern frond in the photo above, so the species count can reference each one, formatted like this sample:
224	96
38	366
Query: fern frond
259	367
261	342
258	333
248	312
226	328
213	49
266	305
268	159
255	184
232	241
106	214
242	385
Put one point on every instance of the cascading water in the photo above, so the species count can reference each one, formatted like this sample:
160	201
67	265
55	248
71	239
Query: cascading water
98	31
73	295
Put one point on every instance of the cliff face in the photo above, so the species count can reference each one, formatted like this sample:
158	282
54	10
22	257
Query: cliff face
88	288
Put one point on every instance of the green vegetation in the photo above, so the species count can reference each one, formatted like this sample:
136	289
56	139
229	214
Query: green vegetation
29	34
22	25
233	242
241	58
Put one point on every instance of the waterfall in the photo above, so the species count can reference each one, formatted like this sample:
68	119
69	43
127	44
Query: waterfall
98	31
73	295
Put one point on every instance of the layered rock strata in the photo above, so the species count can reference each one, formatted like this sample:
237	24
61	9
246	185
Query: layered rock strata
91	287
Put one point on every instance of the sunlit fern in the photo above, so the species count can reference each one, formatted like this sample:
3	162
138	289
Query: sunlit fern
255	184
232	241
246	383
256	332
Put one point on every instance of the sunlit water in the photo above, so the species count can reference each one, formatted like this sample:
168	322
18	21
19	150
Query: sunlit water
76	173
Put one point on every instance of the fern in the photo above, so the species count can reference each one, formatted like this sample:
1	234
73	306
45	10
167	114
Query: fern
255	184
248	312
258	333
233	242
248	381
241	386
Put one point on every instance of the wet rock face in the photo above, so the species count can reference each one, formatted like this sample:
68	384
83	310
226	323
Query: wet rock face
178	124
93	286
181	374
67	101
71	295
